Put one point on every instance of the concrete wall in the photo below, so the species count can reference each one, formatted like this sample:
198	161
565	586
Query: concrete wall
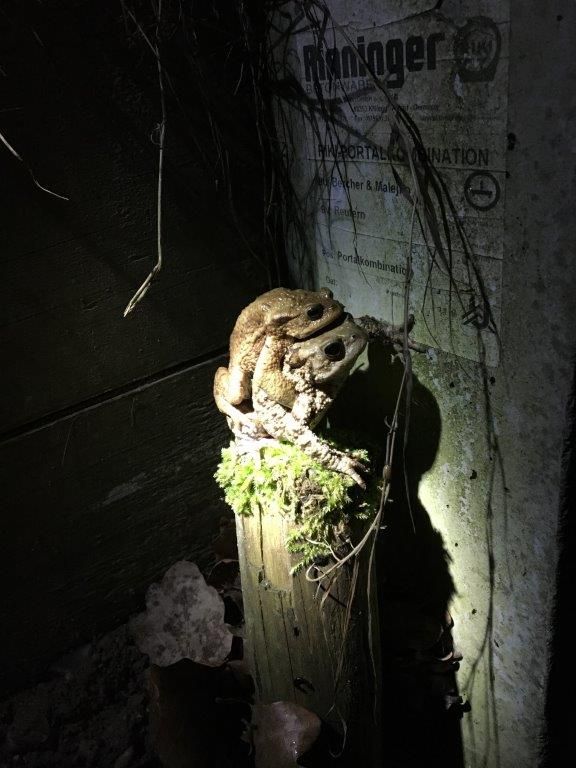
529	401
494	490
505	521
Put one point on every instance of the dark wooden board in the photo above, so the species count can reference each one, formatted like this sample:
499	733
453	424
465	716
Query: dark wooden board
81	105
66	347
98	505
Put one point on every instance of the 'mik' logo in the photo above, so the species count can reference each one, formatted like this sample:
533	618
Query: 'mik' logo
477	50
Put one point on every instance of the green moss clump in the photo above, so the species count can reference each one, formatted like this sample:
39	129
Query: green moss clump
281	478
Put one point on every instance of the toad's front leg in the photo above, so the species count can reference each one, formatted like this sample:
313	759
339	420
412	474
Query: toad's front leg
284	425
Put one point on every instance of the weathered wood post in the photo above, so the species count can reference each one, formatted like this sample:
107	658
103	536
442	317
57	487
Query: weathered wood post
305	642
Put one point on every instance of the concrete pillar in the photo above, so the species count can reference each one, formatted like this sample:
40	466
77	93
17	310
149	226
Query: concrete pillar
493	489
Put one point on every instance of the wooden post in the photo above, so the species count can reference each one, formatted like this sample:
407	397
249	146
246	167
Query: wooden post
297	635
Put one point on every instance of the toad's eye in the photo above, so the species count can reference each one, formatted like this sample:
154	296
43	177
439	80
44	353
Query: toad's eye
315	312
335	351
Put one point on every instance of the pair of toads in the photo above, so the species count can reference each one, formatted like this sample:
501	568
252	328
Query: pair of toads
290	353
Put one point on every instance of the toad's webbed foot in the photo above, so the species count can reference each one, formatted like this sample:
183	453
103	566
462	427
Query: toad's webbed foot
387	333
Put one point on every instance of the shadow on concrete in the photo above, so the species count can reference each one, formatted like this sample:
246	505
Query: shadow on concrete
421	706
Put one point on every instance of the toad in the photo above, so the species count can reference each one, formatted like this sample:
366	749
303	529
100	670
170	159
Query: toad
282	316
312	374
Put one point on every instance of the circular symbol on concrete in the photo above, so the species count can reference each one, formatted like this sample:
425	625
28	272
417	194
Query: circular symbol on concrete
481	190
477	50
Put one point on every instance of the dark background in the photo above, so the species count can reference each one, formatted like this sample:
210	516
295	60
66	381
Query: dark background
108	433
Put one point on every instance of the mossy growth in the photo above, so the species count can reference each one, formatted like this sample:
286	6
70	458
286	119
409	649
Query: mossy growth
322	504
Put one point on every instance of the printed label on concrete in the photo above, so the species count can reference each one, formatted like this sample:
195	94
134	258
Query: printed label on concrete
448	69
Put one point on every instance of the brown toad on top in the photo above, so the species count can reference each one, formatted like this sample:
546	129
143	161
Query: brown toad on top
281	315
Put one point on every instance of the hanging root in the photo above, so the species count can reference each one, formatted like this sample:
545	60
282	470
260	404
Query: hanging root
143	290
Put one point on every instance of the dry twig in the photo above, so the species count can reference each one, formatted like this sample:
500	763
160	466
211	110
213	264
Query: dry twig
143	290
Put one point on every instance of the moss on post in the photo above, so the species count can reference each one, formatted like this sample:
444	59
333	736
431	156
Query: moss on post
280	478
